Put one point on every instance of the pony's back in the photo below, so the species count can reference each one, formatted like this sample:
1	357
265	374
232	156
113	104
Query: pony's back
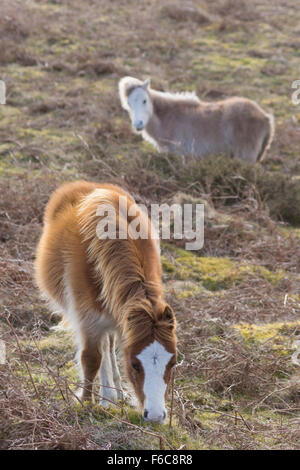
70	194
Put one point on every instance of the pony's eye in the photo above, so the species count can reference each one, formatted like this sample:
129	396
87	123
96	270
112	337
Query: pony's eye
145	101
135	366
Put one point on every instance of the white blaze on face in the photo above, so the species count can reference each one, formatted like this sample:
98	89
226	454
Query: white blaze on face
154	359
140	108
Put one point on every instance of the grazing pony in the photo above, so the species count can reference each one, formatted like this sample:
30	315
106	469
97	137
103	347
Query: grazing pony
181	123
109	288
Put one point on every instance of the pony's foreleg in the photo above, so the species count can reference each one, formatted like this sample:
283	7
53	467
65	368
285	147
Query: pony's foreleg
115	369
90	362
108	390
184	159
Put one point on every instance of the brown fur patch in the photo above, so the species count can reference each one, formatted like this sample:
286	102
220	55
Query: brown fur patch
119	279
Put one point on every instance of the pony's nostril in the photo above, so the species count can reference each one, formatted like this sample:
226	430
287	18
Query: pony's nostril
164	415
145	414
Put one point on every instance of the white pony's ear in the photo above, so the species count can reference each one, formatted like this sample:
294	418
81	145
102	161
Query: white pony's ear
146	83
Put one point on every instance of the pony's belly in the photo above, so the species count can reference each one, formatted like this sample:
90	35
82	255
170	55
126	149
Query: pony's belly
95	321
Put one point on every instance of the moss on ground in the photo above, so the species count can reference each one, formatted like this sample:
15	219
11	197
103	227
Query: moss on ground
280	336
213	273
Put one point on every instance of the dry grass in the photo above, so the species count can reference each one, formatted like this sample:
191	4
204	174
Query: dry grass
188	12
48	414
30	424
234	393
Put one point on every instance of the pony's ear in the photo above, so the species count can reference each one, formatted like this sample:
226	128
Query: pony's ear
168	315
146	83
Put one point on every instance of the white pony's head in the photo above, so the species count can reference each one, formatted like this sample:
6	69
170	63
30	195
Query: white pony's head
135	98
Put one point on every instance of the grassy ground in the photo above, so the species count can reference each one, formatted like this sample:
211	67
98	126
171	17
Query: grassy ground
237	300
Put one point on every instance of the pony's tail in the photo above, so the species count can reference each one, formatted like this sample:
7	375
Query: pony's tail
268	137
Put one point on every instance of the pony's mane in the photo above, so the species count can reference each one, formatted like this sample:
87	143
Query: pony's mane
160	98
185	97
126	86
125	291
145	325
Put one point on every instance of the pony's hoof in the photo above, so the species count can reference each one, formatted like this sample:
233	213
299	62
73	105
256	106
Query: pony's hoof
108	397
105	403
120	395
81	397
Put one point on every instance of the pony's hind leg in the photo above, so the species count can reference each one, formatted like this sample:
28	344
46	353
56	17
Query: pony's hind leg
115	369
108	390
248	152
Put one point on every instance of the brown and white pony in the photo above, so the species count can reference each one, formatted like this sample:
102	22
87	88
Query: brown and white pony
182	124
108	287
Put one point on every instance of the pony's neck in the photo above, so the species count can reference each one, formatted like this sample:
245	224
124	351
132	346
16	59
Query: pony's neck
155	122
164	105
140	315
130	285
161	103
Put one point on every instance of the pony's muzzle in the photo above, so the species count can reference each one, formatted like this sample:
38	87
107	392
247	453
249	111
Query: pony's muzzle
155	417
139	125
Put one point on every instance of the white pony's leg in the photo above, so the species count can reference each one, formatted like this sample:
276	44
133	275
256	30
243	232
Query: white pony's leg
108	392
115	369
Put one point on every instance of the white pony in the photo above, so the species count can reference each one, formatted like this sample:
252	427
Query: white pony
182	124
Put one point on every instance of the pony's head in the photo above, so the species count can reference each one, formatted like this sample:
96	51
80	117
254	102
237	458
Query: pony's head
135	98
150	355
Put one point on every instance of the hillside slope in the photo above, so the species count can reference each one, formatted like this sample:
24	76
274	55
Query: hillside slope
237	301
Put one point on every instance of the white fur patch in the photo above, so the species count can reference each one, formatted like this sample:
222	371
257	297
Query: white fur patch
154	359
108	390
